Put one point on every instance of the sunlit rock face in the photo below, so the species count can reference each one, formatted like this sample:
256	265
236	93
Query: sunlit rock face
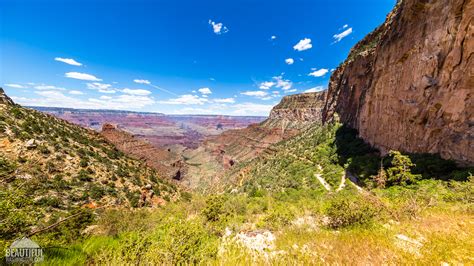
409	85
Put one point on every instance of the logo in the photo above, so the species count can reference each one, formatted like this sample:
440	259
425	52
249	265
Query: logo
24	250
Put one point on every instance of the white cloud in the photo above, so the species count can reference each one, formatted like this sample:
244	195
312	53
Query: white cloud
17	86
101	87
186	99
124	101
293	90
48	87
342	35
68	61
277	82
218	28
255	93
74	92
252	109
318	73
284	84
205	90
266	85
58	99
345	26
316	89
136	92
81	76
289	61
276	92
304	44
142	81
273	37
224	100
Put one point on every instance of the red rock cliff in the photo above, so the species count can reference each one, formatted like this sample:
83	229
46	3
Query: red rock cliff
409	85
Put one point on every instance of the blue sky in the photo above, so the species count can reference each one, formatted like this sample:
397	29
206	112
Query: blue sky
193	57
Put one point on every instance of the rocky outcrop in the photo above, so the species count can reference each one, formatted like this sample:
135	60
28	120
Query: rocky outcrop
409	85
293	114
4	99
165	162
297	110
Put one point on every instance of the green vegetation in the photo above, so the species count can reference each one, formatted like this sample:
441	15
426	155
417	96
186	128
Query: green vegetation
358	218
51	170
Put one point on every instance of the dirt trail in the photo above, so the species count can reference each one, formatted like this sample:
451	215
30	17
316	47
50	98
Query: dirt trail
343	183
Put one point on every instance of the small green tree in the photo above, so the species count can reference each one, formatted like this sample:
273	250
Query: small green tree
400	173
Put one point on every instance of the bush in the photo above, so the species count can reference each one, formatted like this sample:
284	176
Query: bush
278	217
347	209
214	210
399	173
180	242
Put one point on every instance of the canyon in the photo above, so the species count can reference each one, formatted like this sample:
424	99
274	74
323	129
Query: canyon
409	84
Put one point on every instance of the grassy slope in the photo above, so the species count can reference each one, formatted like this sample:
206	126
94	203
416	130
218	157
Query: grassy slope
348	226
70	168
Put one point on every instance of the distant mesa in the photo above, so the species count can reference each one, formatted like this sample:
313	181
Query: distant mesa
108	126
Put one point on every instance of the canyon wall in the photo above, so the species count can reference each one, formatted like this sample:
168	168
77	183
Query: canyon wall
409	84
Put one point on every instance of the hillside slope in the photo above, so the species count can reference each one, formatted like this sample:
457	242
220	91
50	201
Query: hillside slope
408	85
50	168
294	114
167	163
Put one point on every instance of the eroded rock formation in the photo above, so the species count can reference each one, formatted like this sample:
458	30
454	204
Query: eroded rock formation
409	85
165	162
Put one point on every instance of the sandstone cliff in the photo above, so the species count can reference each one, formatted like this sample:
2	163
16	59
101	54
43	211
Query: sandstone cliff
297	110
165	162
293	114
408	85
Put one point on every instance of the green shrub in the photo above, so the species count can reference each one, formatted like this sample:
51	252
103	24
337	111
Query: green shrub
84	176
399	173
214	210
278	217
347	209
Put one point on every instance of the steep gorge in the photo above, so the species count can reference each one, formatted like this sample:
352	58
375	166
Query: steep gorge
408	85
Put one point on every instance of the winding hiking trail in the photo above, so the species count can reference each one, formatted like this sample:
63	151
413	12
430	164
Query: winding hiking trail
321	179
347	175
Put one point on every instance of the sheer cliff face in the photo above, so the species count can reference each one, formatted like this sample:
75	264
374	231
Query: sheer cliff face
409	85
297	111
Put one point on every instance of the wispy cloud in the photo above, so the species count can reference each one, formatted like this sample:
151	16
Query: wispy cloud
68	61
16	86
48	87
258	94
142	81
205	91
319	73
147	82
82	76
316	89
59	99
302	45
224	100
218	28
342	35
74	92
266	85
186	99
101	87
136	92
251	109
282	83
277	82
